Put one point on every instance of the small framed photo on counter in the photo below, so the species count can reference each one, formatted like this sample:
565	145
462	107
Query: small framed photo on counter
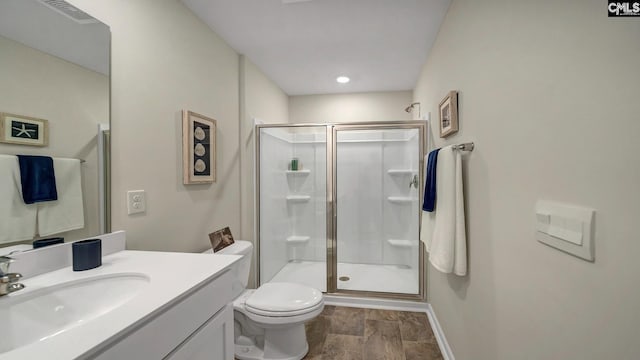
23	130
198	148
220	239
449	114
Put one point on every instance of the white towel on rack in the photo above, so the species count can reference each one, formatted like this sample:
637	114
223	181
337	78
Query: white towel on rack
444	231
17	219
66	213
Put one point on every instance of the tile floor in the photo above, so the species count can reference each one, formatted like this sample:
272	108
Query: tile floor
345	333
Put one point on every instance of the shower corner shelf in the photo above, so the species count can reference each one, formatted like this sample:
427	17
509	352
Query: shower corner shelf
400	243
296	239
400	171
298	198
400	199
298	172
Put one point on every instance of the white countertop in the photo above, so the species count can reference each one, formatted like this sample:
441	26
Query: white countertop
171	275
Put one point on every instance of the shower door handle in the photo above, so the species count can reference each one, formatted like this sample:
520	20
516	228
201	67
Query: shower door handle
414	182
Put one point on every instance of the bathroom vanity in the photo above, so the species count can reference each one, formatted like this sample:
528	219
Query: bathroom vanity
137	305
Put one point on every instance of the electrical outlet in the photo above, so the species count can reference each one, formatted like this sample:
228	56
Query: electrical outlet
136	202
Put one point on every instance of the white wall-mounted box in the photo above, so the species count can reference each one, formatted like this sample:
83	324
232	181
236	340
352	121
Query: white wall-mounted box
566	227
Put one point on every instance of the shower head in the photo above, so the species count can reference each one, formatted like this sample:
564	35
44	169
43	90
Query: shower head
410	107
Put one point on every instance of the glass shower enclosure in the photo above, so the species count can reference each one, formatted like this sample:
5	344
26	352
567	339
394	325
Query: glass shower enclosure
338	207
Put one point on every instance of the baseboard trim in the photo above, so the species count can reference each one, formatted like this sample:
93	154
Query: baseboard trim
445	349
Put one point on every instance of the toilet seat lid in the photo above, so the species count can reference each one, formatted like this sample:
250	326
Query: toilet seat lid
283	297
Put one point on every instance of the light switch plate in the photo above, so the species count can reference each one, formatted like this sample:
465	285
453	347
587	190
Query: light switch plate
136	202
568	228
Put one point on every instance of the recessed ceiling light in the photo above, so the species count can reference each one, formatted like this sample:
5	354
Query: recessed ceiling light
342	79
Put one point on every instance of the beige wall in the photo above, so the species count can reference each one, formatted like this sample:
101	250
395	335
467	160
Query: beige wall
73	99
356	107
260	99
548	93
164	60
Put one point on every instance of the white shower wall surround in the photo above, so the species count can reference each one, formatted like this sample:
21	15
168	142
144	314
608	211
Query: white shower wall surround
367	219
374	206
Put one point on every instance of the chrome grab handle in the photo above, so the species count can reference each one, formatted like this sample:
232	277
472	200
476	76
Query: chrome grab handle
414	182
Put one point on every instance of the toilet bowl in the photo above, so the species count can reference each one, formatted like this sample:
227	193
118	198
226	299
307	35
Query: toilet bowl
269	321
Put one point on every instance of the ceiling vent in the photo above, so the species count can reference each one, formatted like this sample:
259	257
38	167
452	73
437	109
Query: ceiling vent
69	11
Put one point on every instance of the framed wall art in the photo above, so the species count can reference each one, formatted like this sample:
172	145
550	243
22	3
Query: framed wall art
198	148
23	130
449	114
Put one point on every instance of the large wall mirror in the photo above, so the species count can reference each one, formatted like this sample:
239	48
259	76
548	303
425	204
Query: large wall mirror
54	65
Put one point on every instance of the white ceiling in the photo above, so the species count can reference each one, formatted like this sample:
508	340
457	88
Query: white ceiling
304	45
35	25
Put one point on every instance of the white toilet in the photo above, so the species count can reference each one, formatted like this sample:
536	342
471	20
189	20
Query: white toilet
269	321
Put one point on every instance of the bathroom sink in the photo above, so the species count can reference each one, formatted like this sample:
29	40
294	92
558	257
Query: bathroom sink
43	313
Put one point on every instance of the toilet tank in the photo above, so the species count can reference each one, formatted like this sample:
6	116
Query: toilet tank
240	269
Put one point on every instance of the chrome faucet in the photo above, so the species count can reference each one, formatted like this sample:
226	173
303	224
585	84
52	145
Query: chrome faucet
8	280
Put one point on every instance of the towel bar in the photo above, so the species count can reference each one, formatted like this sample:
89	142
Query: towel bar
464	147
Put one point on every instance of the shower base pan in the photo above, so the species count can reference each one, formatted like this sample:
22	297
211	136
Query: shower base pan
360	277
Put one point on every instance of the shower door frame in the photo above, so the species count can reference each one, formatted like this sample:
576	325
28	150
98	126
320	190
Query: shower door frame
332	208
332	194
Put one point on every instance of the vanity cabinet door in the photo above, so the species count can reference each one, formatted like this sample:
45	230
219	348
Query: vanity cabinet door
158	337
213	340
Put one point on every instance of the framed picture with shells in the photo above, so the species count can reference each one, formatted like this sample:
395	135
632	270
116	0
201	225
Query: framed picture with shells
198	148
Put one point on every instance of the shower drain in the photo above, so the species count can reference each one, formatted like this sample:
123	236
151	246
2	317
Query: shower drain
344	278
